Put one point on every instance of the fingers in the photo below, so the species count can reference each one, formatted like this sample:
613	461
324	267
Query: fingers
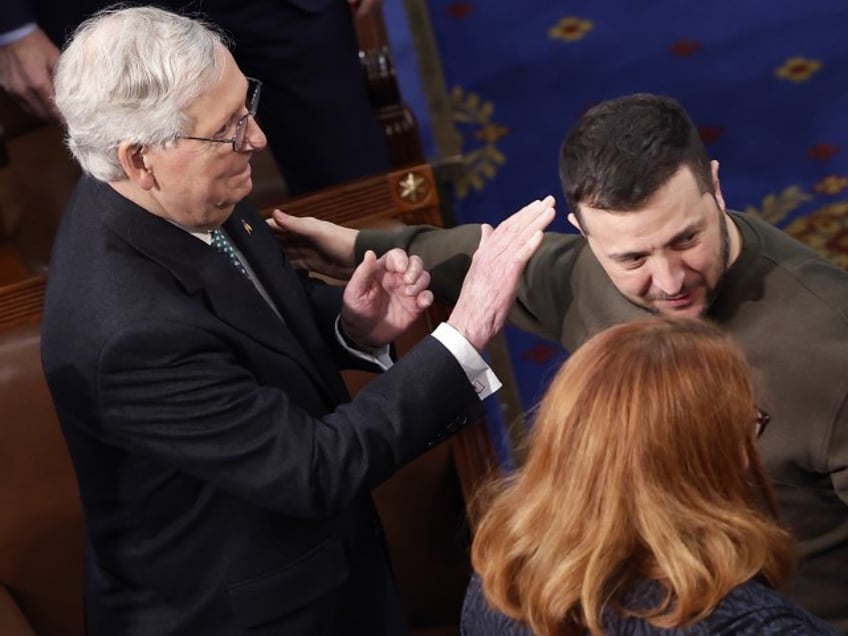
421	283
425	299
280	217
489	289
39	102
518	236
398	261
272	223
41	98
409	267
288	223
536	215
26	69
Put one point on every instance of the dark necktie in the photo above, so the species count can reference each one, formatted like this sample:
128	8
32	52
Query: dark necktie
221	243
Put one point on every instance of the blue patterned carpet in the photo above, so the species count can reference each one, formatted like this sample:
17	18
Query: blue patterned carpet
766	82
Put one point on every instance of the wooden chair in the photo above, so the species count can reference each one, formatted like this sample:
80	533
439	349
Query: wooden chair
41	530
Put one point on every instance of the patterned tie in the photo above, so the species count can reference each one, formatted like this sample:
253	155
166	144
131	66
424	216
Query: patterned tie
223	245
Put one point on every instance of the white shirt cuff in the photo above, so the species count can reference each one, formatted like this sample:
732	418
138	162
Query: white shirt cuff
481	376
18	34
377	355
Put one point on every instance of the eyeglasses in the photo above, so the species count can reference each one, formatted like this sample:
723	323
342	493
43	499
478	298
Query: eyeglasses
254	86
761	422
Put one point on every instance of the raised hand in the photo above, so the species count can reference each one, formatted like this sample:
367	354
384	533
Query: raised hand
384	297
316	245
491	283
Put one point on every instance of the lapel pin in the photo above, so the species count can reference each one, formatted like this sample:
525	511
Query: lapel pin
247	226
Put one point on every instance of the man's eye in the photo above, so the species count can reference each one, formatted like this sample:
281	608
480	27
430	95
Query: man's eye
686	241
632	262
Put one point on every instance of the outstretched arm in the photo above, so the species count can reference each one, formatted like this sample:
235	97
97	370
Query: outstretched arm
315	245
385	295
329	249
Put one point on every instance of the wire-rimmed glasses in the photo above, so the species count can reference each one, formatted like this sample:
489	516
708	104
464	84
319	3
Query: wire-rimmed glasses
761	421
254	86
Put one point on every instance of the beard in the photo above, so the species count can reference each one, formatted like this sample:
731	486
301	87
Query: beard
722	264
724	258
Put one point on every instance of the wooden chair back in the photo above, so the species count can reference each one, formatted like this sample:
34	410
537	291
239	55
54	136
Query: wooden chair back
41	528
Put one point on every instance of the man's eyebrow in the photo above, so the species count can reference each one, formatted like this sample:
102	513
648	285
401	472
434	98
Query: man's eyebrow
692	228
626	256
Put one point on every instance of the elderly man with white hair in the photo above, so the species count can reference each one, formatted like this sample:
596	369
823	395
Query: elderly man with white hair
223	470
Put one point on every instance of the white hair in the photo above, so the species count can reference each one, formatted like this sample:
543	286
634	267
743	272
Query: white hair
128	75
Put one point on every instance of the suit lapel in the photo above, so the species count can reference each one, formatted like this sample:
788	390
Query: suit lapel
249	232
200	269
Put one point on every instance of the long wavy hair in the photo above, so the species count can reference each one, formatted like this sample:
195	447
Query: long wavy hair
642	466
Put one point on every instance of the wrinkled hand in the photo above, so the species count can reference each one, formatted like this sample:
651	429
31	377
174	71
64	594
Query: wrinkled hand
26	72
315	245
492	280
363	7
384	297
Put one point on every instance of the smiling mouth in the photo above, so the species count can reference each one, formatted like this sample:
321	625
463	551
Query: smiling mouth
680	299
686	293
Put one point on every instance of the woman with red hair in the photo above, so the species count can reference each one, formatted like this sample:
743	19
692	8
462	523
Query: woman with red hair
640	506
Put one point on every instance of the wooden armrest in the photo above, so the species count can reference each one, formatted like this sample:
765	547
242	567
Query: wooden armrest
407	195
22	301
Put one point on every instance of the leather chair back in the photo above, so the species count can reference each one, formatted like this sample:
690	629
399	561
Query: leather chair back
41	528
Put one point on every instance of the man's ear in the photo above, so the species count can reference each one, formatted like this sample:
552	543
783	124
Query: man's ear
136	165
572	218
717	185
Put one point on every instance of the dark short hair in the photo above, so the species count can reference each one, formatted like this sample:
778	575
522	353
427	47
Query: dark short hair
623	150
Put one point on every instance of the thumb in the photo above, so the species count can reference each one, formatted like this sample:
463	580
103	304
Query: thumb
485	232
283	220
362	275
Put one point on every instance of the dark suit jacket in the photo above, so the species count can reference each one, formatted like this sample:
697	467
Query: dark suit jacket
223	474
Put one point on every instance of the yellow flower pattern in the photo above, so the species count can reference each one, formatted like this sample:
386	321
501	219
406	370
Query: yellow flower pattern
826	231
831	185
482	162
570	29
798	69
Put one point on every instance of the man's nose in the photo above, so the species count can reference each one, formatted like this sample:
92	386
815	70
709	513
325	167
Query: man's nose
254	136
667	275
